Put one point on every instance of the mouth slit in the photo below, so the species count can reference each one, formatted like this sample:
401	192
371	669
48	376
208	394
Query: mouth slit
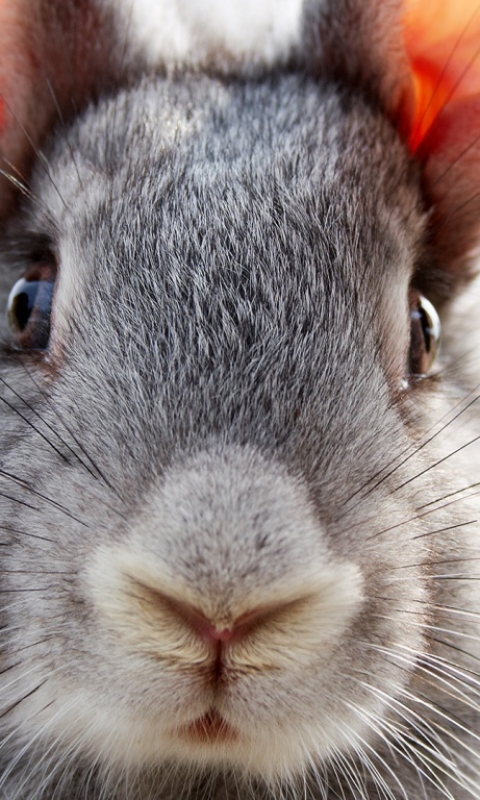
210	728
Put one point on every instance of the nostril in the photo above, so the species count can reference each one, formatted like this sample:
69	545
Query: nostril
228	629
181	613
210	632
219	636
214	632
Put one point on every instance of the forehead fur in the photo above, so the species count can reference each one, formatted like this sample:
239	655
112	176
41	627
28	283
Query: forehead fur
233	230
284	144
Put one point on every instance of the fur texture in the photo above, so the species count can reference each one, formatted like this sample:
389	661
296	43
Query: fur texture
239	543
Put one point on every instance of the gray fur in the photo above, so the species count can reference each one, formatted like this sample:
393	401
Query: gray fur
226	399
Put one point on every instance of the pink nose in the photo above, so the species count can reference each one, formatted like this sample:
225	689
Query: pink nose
217	634
214	635
207	630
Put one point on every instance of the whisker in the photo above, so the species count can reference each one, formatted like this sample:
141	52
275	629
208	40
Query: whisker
15	531
77	442
454	647
437	463
447	529
447	220
428	627
65	130
414	452
17	500
452	494
445	68
21	187
415	519
456	160
462	674
44	497
42	420
21	700
31	425
456	560
381	727
37	151
440	731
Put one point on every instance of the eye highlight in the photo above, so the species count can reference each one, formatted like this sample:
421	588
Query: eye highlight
424	335
29	307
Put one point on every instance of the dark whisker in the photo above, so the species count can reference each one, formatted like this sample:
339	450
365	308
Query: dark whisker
413	453
30	423
24	533
447	220
444	530
455	577
12	666
26	591
436	463
452	494
447	64
44	497
77	442
454	647
33	644
35	572
21	700
39	416
417	517
17	500
456	160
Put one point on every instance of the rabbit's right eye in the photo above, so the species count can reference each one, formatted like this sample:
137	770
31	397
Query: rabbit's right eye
29	307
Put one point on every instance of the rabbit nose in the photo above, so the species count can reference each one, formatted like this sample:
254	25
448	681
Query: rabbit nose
212	632
224	629
275	627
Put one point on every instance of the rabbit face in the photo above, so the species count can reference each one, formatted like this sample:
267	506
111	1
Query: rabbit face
227	568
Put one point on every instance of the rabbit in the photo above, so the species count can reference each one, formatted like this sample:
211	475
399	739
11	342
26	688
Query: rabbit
240	416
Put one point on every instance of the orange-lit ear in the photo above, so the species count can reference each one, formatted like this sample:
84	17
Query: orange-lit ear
442	39
359	43
54	54
17	25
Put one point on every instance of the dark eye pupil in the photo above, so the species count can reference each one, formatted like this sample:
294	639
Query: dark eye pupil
23	303
426	328
28	312
425	335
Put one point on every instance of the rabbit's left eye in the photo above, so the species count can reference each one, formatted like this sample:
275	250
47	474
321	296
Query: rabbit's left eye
424	336
29	307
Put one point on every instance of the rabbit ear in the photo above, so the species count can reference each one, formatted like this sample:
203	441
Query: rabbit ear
360	43
442	39
419	61
54	55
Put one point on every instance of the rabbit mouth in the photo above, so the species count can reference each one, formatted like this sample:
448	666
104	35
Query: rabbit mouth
210	728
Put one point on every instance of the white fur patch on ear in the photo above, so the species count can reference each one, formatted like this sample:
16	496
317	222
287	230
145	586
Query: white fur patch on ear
189	32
